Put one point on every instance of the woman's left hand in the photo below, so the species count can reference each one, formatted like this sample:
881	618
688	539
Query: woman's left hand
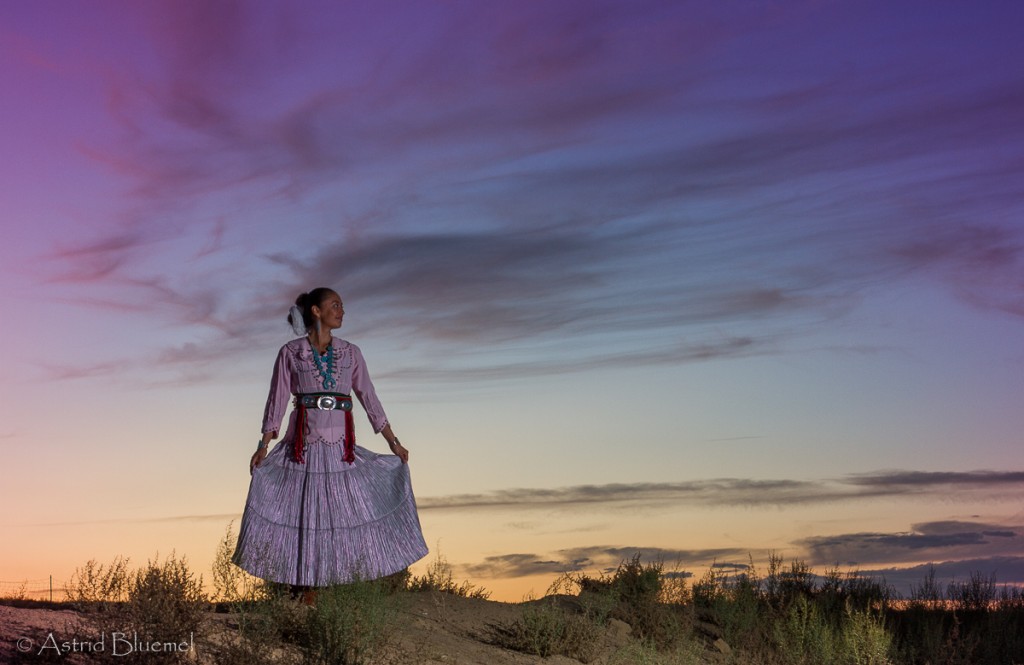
398	449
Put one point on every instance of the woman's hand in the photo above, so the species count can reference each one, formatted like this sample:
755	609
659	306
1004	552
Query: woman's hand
394	444
261	452
398	449
257	458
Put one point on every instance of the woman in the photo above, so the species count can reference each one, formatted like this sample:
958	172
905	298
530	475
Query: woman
322	510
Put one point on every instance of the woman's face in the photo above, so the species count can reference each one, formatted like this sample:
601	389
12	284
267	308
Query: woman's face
331	311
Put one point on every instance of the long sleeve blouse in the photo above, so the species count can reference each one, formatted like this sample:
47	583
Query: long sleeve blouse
295	373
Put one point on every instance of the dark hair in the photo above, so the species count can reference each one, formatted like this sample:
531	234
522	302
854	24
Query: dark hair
305	303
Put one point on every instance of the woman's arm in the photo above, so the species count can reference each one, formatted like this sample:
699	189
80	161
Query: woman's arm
362	386
277	402
280	391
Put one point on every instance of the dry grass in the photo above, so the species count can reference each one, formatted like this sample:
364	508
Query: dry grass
638	613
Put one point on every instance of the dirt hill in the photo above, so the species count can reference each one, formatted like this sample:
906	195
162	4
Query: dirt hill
428	628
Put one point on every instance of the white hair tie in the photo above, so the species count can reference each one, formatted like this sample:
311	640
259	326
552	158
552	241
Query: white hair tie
298	325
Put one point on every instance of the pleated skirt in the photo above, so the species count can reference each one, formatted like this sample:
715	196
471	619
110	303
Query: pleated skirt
328	522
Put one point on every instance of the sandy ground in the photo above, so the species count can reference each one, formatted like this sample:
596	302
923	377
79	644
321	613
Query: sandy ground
25	634
432	629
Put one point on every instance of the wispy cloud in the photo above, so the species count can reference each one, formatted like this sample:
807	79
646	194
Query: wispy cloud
737	491
599	559
902	482
937	541
589	185
65	372
216	517
968	485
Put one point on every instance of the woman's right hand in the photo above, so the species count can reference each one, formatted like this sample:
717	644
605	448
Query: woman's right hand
261	452
257	458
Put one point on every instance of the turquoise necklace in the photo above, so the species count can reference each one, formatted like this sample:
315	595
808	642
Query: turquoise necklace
325	366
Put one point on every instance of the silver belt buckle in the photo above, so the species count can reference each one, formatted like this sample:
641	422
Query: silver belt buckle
326	402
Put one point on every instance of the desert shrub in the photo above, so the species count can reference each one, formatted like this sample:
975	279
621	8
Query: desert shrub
166	601
710	590
972	626
438	577
346	625
270	625
978	594
801	635
95	586
739	610
231	584
675	589
783	587
1005	620
637	585
271	629
867	593
968	623
804	635
349	623
921	632
927	593
1011	598
843	596
653	603
864	640
545	629
639	593
149	615
792	616
19	593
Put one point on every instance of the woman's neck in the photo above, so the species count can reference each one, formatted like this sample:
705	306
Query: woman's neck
320	340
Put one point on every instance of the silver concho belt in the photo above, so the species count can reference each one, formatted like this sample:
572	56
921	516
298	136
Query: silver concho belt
324	402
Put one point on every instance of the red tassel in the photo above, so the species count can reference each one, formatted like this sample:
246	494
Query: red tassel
300	429
350	438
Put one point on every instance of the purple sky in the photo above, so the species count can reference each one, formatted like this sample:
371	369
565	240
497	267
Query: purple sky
582	244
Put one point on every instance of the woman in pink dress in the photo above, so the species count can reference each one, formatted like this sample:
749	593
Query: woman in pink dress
322	510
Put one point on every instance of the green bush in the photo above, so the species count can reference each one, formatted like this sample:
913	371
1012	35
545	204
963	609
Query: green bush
349	623
545	629
438	577
740	611
864	640
801	636
655	604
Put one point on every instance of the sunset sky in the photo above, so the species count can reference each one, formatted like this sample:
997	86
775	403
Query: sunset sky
699	280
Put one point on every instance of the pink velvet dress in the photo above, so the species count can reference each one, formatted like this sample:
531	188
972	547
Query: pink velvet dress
324	521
